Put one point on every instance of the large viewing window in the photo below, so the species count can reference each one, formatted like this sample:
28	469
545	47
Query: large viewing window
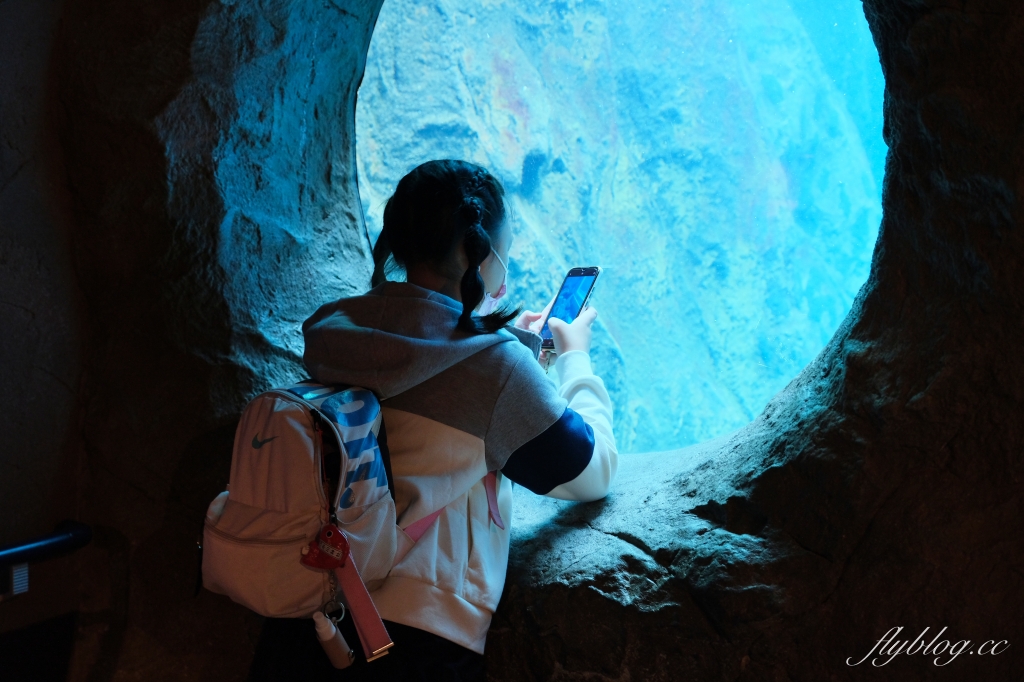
721	160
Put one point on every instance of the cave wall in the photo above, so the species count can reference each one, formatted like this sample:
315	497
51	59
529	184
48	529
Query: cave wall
198	248
882	487
37	318
200	199
40	306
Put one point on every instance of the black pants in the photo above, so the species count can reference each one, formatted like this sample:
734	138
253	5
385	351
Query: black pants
289	650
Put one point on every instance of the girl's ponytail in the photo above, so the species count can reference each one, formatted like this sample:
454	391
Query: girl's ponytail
436	207
477	246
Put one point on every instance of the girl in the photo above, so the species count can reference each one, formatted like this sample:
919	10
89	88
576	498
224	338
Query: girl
462	395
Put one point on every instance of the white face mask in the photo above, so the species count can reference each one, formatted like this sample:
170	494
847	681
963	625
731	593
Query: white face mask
490	303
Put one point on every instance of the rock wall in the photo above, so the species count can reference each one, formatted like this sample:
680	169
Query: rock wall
209	158
881	488
40	307
206	154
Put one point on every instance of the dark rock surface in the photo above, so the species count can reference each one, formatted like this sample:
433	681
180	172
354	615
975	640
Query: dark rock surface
38	296
40	309
207	152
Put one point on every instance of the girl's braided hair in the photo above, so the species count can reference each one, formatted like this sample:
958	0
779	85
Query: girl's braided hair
435	208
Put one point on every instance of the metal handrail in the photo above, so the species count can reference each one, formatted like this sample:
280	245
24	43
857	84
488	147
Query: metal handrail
67	536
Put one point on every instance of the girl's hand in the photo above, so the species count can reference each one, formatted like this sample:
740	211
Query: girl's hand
575	336
528	320
532	321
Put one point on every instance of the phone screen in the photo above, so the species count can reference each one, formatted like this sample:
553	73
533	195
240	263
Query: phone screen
570	300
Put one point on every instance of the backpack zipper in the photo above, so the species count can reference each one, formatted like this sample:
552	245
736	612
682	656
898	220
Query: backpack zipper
318	453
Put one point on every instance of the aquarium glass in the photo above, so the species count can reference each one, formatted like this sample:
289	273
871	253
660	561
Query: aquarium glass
720	160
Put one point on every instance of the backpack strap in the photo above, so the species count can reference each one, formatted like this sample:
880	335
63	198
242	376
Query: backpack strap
385	454
373	636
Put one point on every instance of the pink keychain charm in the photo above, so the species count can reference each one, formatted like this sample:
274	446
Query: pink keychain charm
330	551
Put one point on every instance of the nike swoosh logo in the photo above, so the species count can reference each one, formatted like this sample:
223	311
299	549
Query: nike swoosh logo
257	443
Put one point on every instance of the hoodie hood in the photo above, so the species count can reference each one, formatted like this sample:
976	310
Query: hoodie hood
392	338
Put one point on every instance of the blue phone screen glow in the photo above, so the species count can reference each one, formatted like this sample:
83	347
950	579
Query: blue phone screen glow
569	303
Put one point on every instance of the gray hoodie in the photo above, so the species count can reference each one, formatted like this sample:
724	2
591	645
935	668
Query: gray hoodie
401	342
456	406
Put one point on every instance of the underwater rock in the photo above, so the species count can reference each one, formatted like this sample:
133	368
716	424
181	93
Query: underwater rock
720	162
880	489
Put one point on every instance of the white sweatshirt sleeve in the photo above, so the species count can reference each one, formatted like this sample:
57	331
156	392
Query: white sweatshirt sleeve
588	397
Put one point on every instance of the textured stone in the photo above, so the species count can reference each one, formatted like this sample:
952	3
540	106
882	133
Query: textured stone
38	297
718	160
882	487
40	311
210	163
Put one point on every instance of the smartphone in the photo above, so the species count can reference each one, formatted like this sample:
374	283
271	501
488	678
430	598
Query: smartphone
571	300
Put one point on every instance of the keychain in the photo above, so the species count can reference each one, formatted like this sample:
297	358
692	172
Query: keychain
330	551
334	603
548	356
329	634
331	607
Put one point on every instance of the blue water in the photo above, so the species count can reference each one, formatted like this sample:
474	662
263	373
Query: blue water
721	161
